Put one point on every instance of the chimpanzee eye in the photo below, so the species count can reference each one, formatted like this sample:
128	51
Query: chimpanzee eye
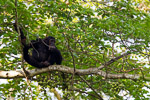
52	40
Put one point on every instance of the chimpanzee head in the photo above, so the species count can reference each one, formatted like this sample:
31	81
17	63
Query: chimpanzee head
50	41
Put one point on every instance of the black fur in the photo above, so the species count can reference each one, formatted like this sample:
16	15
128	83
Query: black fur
44	51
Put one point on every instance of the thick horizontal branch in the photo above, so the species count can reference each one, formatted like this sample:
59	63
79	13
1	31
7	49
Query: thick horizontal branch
61	68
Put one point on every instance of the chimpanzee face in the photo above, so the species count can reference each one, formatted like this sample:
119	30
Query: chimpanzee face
50	41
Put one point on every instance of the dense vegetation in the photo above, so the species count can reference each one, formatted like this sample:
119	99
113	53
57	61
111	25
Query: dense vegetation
110	35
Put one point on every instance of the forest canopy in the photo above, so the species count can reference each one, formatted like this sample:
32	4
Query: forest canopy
104	44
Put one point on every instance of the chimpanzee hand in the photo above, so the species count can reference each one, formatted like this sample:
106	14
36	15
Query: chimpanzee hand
45	63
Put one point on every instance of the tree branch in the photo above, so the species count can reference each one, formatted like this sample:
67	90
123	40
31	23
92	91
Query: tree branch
115	59
33	72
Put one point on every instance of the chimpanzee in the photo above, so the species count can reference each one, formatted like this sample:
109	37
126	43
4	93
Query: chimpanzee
44	51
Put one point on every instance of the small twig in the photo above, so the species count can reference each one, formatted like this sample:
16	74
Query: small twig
73	66
91	87
22	60
115	59
69	48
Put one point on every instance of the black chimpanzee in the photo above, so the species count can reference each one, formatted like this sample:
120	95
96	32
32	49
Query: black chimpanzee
44	51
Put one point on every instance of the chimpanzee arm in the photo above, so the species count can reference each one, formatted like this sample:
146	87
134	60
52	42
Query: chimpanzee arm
21	32
54	57
23	38
58	57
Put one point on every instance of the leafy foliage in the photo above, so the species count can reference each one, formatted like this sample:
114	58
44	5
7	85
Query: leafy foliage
88	34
